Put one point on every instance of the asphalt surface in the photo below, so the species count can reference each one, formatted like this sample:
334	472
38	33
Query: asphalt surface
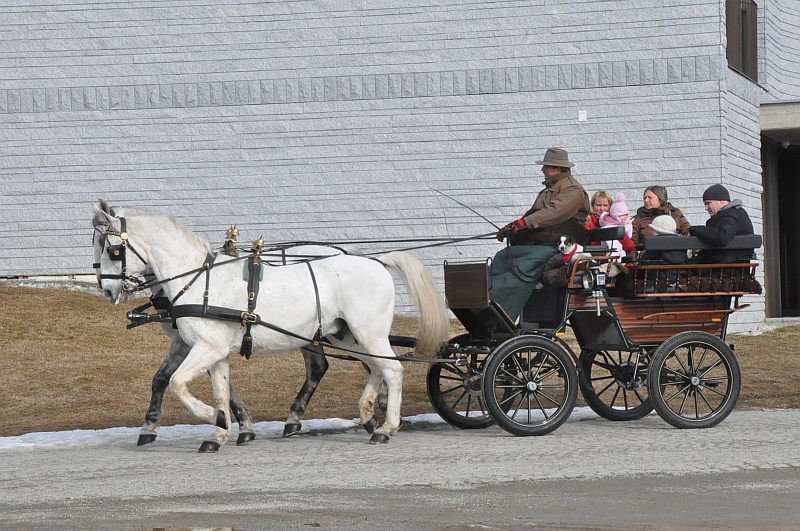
590	473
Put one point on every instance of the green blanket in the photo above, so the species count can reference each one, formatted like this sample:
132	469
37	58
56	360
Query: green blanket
514	273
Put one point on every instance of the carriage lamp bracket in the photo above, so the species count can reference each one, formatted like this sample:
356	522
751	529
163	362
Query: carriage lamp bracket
594	280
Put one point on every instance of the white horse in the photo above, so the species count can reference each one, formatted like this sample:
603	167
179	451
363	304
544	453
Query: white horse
315	362
346	301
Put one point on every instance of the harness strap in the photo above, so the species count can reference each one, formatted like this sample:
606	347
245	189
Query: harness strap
227	314
318	334
206	267
250	317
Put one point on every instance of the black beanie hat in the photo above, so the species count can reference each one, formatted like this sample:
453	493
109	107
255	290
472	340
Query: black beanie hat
716	192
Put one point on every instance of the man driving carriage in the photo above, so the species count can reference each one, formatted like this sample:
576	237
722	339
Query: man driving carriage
560	209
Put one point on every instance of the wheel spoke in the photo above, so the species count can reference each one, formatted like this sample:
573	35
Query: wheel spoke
606	388
679	391
449	390
681	375
508	401
482	405
547	397
703	397
641	400
683	403
624	396
460	379
676	357
702	372
469	404
460	397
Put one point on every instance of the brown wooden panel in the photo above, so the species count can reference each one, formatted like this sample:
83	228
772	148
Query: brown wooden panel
467	285
647	321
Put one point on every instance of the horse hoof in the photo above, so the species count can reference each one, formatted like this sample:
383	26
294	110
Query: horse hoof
245	437
222	422
370	425
290	429
146	438
381	438
209	447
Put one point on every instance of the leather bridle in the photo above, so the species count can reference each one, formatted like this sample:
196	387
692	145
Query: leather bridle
118	253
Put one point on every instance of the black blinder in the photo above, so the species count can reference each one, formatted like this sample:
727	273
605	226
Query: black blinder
116	252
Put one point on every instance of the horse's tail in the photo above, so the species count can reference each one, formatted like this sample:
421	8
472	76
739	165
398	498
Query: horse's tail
434	324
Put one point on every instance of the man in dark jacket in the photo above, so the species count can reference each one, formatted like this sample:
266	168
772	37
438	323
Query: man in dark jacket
728	219
560	209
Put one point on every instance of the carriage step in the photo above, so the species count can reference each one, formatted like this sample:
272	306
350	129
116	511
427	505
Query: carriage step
403	341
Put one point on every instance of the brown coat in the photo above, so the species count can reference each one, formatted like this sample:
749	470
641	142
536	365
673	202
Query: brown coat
560	209
645	216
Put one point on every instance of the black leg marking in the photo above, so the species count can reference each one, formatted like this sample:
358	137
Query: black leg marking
178	351
316	366
371	425
379	438
208	447
290	429
245	437
221	421
146	438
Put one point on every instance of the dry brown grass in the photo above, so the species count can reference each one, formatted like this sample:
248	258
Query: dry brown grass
72	364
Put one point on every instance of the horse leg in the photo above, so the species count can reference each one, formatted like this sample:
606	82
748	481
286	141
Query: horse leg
203	357
391	372
386	372
178	351
220	392
316	365
381	401
239	409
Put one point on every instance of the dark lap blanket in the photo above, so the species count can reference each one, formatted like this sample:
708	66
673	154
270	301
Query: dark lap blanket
514	273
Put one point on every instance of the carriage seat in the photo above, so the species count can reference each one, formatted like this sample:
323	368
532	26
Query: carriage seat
595	242
667	242
652	279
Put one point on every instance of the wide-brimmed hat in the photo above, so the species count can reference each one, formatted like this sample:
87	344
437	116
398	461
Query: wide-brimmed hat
556	157
664	224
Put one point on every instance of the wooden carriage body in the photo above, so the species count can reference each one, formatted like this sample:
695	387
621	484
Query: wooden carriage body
641	307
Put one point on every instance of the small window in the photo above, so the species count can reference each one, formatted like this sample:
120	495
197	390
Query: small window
741	20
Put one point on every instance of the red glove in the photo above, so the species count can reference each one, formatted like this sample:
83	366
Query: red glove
511	229
627	244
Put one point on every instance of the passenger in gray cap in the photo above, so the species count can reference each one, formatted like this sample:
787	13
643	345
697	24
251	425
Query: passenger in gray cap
728	219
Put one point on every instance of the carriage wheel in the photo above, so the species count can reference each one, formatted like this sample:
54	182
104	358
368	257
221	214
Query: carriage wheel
694	380
530	385
455	391
614	384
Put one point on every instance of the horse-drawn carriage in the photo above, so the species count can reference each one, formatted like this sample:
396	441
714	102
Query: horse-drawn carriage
652	336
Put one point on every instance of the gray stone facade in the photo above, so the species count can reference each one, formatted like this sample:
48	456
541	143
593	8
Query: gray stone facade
338	121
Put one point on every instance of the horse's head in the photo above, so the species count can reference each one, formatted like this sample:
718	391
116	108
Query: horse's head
118	265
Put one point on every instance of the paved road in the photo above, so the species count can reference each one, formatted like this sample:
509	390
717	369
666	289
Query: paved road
745	473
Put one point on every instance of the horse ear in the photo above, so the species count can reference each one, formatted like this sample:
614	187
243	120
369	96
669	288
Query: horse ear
102	212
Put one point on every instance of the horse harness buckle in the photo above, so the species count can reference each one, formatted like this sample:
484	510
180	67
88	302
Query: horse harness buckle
249	318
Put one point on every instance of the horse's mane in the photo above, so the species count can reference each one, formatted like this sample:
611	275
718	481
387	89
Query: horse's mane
180	227
189	234
100	220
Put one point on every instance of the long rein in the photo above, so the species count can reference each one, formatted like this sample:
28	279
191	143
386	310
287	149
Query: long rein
248	318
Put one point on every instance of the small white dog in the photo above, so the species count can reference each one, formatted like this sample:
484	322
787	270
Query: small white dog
569	248
557	268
